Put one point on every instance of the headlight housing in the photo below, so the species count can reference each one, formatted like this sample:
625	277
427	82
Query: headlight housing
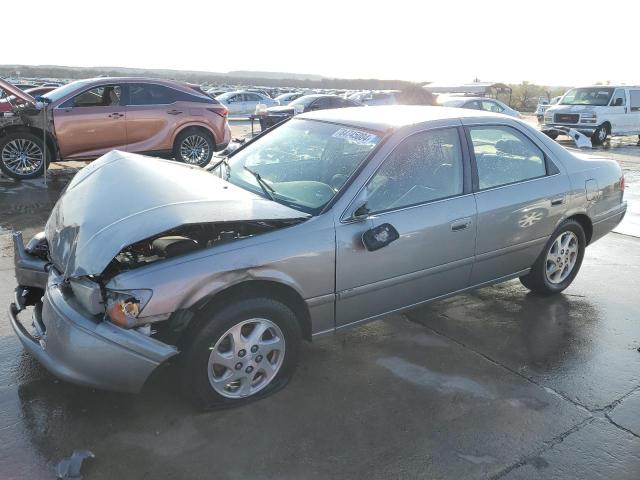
590	117
124	306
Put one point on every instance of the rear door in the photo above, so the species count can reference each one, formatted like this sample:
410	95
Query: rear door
420	189
152	116
520	195
91	123
252	101
634	110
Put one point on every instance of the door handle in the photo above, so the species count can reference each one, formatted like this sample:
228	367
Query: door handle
460	224
174	112
116	115
557	201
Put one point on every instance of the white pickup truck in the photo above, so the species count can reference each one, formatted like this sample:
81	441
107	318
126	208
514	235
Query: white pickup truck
598	111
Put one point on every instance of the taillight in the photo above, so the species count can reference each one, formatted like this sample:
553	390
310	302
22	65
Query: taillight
221	110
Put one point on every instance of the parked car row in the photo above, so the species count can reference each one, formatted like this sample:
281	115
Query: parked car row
87	118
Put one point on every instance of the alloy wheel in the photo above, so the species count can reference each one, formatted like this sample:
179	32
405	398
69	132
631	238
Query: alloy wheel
22	156
246	358
194	150
562	257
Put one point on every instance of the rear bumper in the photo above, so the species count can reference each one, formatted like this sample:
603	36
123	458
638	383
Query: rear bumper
81	348
610	221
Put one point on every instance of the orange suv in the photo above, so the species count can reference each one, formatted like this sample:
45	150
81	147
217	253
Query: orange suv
88	118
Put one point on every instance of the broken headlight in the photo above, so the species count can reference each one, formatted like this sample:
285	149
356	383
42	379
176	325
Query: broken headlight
124	306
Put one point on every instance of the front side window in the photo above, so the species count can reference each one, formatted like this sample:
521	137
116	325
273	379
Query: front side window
150	94
103	96
619	98
504	156
302	163
491	107
425	167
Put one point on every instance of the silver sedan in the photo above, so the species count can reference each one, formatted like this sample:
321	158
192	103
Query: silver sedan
329	220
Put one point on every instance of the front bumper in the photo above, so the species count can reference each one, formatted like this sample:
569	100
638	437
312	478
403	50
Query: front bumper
80	348
587	130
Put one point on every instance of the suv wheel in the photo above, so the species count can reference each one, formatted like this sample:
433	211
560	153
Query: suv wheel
21	155
559	262
244	351
600	135
194	146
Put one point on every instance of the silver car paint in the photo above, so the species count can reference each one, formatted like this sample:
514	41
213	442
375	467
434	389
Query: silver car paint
414	270
118	200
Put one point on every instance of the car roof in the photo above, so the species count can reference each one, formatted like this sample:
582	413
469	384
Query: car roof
385	117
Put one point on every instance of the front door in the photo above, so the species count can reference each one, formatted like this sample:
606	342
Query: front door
420	189
618	112
520	198
91	123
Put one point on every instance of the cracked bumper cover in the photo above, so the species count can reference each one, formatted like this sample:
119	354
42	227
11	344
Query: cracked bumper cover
79	348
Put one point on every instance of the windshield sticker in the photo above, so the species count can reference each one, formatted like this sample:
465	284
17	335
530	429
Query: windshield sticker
356	136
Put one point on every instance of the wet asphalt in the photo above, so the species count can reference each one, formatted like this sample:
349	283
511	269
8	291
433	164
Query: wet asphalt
497	383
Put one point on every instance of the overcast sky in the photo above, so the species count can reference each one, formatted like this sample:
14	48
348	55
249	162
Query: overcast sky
447	40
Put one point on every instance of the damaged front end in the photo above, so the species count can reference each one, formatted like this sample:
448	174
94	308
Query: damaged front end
86	331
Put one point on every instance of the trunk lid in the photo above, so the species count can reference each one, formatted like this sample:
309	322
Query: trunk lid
123	198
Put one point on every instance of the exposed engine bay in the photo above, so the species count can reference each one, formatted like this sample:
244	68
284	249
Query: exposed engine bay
187	239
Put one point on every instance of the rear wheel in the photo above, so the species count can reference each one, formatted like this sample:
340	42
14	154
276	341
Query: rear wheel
559	262
241	352
21	155
600	135
194	146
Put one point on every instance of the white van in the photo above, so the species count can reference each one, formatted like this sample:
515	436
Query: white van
597	111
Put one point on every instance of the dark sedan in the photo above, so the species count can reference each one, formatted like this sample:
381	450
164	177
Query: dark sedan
306	103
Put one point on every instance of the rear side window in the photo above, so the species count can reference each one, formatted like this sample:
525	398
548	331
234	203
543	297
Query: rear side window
425	167
635	100
150	94
504	156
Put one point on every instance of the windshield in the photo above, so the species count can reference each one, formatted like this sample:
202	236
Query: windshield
305	100
302	163
63	91
598	96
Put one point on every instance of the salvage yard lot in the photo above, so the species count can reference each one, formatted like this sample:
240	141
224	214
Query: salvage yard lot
496	383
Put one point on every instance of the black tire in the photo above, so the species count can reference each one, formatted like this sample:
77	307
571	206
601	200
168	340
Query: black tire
7	145
210	327
203	141
551	134
600	135
537	279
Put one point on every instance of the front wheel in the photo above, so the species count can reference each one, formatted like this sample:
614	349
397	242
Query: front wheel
194	146
551	134
21	155
559	262
241	352
600	135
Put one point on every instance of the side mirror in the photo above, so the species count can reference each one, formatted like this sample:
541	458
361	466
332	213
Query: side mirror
380	236
619	102
361	213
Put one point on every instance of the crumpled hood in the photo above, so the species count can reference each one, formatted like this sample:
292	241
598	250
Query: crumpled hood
123	198
13	90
